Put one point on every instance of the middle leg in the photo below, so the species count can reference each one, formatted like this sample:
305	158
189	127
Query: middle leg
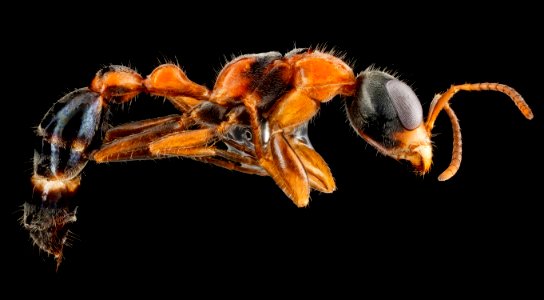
122	146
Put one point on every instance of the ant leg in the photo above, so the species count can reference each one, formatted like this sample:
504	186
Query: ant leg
232	164
319	173
285	167
199	142
131	128
185	143
184	104
136	146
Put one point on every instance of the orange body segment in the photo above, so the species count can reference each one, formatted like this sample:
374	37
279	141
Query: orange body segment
233	83
293	109
184	139
285	167
323	76
319	173
169	80
122	84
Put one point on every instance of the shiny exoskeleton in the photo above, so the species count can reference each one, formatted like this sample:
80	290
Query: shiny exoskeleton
254	120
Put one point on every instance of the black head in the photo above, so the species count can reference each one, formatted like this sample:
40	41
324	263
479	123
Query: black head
388	115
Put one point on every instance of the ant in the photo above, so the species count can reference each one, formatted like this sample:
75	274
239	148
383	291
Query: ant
254	120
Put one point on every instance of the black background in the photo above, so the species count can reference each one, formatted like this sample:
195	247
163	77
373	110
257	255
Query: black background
192	226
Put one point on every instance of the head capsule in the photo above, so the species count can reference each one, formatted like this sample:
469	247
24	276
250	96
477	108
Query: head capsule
388	115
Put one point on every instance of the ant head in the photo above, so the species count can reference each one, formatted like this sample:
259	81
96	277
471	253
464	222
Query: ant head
388	115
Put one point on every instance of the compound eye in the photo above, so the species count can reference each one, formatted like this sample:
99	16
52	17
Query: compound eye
406	104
